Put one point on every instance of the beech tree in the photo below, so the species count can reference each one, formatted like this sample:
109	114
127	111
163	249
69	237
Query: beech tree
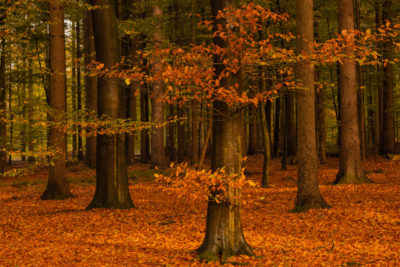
112	189
57	186
308	194
224	234
350	167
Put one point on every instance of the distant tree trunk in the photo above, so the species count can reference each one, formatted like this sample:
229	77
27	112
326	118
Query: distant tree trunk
30	134
128	48
3	116
291	123
277	126
320	120
224	234
379	85
267	145
285	122
74	94
112	189
181	136
171	151
158	156
253	147
79	89
388	138
350	168
90	87
195	105
360	91
308	194
57	186
144	117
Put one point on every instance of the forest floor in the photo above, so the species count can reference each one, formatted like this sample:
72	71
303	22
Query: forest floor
361	228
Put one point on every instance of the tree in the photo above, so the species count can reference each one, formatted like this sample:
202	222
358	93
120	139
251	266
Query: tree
224	234
388	100
112	189
57	186
350	167
90	87
158	156
308	194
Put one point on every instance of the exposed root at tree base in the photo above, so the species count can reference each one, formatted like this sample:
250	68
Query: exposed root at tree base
213	252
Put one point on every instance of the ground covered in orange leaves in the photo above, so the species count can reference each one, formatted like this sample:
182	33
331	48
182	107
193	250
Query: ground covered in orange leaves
361	228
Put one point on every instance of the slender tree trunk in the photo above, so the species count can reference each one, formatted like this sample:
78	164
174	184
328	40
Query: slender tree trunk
74	94
3	115
350	168
90	88
224	234
144	117
181	136
360	91
79	89
57	186
291	123
308	194
379	84
277	126
388	138
267	145
195	105
320	120
112	189
253	147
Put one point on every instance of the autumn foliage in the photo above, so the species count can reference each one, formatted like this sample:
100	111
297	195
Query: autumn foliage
361	228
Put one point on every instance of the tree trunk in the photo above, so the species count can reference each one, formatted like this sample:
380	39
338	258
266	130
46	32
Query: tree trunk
308	194
144	117
57	186
3	116
224	234
320	121
360	91
158	156
388	100
112	189
267	145
181	136
350	168
277	126
253	147
79	89
90	87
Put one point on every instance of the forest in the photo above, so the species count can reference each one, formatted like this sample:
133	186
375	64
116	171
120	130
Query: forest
199	132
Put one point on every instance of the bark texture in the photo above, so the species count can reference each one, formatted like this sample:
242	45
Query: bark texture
308	194
350	168
112	189
57	186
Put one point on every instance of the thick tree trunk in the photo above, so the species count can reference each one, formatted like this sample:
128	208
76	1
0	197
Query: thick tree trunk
350	168
158	156
388	133
57	186
90	87
112	189
224	234
308	194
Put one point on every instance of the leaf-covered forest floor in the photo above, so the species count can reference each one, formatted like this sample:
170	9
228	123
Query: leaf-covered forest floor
361	228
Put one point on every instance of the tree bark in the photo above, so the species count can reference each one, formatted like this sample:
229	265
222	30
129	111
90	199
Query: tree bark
158	156
224	234
350	168
90	87
57	186
308	194
112	189
388	130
